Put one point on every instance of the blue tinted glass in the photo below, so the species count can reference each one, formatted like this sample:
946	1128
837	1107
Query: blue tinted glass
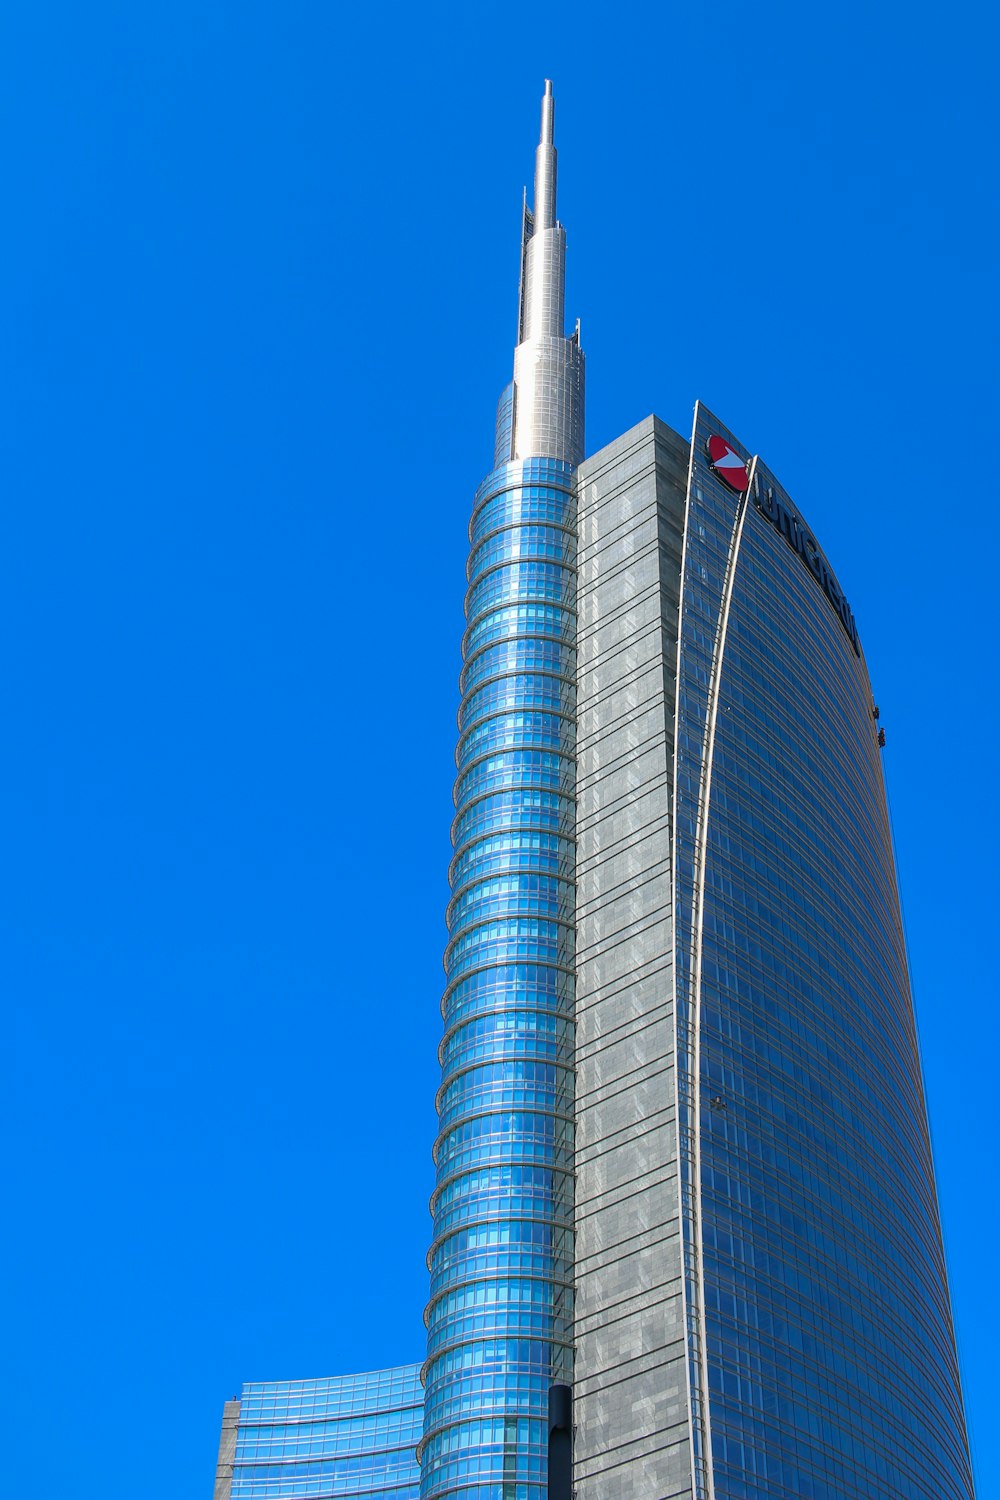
355	1435
820	1338
500	1315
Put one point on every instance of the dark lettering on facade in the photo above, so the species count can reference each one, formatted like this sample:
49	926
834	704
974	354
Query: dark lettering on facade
765	502
804	543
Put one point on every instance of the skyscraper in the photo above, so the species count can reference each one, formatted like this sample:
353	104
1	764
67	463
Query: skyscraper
499	1319
682	1164
761	1302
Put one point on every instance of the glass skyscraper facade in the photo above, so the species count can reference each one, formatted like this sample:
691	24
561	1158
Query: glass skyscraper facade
683	1162
818	1272
499	1319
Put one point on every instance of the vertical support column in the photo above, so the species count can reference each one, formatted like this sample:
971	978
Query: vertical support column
227	1451
560	1442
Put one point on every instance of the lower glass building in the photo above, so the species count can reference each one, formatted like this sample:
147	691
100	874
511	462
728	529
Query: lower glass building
354	1435
683	1171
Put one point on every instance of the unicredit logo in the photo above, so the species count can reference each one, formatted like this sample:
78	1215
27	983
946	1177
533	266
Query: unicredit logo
728	465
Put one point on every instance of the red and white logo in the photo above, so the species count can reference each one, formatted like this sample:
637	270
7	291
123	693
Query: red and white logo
728	465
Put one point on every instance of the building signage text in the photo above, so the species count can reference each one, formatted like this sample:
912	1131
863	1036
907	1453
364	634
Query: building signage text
727	463
801	540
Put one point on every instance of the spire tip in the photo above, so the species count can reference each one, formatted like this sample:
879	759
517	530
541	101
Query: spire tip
548	115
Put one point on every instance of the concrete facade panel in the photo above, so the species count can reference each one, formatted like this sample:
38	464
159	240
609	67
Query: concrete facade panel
631	1404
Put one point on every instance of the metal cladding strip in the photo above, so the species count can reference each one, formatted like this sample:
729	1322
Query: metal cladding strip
700	1411
679	1115
697	930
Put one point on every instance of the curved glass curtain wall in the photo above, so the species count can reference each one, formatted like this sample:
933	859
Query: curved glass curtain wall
350	1435
823	1313
499	1319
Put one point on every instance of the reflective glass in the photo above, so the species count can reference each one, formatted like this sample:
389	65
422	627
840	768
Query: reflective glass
355	1435
500	1315
819	1326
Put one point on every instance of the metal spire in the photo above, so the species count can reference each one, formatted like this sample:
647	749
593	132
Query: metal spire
543	311
543	415
545	164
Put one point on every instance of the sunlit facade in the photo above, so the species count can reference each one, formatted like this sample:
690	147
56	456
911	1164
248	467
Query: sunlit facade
683	1173
819	1275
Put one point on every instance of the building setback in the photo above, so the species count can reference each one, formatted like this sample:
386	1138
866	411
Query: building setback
683	1165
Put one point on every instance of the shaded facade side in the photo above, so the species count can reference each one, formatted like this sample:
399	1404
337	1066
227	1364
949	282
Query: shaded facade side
351	1436
746	1051
822	1323
631	1387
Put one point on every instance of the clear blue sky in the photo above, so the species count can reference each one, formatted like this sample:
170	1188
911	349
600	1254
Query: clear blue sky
258	283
